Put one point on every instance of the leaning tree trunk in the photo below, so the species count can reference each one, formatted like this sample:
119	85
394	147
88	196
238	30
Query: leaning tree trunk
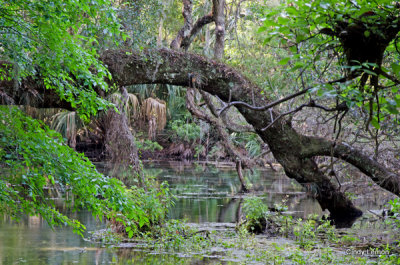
295	152
177	68
119	141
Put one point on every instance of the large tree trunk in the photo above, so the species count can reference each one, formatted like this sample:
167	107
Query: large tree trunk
288	147
293	151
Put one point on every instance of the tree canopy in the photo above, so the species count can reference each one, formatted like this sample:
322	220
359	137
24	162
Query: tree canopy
347	50
55	45
343	52
57	42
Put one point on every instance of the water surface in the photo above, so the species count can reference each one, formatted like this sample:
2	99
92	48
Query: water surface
204	194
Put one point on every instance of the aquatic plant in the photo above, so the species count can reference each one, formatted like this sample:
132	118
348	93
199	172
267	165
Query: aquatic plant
256	214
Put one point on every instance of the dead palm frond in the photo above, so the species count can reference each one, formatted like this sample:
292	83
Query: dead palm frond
40	114
130	104
155	110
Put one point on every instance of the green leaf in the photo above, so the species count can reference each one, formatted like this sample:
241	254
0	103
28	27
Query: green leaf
369	72
375	123
283	20
297	65
396	68
284	61
262	29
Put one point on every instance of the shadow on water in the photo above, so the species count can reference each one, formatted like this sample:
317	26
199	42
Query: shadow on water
206	195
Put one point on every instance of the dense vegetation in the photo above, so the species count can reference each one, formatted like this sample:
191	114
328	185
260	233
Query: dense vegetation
311	85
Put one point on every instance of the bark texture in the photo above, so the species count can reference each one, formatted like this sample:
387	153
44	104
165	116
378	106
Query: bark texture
219	18
291	149
119	140
189	30
184	32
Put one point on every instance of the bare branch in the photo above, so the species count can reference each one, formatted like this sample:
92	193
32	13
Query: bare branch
230	125
270	105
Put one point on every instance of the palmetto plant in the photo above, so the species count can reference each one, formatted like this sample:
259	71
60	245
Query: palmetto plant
40	114
68	123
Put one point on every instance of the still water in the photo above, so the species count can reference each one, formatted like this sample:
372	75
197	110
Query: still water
211	194
204	194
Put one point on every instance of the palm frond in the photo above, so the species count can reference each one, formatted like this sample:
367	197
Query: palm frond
67	123
130	105
155	109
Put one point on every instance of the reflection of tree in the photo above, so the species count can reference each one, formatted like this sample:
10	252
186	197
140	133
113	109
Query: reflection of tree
226	208
210	194
32	241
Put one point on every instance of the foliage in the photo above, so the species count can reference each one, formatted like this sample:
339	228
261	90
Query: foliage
172	235
67	123
179	238
34	157
388	258
256	214
140	21
57	41
154	203
395	213
331	40
305	233
199	149
147	145
248	52
254	208
186	131
130	105
251	142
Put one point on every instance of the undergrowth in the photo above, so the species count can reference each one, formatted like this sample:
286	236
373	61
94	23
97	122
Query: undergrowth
293	241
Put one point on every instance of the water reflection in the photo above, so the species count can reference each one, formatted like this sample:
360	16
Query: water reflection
211	194
205	194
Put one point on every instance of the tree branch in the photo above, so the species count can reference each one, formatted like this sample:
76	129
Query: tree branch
378	173
187	27
166	66
219	18
200	23
262	108
226	142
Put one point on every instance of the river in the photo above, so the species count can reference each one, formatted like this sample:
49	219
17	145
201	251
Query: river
206	195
